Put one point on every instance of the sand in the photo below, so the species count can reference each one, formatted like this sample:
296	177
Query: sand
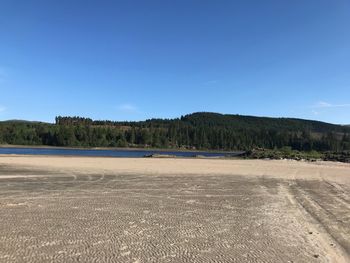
284	169
71	209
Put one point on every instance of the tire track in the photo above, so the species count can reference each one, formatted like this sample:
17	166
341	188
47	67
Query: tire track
320	221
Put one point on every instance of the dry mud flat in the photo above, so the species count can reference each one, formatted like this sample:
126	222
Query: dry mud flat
60	209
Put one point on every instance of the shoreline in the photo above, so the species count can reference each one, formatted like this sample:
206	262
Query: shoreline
156	156
167	156
286	169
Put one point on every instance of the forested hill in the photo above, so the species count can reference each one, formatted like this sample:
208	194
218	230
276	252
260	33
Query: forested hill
194	131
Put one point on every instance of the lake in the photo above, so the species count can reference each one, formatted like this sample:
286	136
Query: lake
109	152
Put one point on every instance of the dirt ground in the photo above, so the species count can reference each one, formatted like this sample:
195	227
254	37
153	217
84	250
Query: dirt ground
70	209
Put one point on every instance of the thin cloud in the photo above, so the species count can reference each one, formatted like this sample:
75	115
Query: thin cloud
323	104
2	109
210	82
128	108
314	112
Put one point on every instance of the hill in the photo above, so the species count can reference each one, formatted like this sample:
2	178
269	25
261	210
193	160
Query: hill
201	130
21	121
248	122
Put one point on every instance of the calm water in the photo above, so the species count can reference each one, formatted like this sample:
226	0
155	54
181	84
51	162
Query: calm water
108	153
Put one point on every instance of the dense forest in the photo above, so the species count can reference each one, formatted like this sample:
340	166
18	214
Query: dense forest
194	131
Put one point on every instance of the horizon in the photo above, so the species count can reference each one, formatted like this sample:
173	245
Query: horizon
173	118
135	61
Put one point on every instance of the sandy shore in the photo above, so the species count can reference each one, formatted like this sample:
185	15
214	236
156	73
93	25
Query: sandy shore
84	209
283	169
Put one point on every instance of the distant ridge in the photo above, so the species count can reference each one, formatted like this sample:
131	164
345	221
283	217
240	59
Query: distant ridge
200	130
22	121
250	121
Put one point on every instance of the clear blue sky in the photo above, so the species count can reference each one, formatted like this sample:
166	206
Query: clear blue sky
131	60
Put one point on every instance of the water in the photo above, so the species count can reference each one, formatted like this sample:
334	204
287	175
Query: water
109	153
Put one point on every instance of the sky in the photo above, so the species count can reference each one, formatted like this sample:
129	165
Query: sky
134	60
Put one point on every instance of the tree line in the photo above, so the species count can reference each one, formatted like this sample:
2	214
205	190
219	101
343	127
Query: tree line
194	131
